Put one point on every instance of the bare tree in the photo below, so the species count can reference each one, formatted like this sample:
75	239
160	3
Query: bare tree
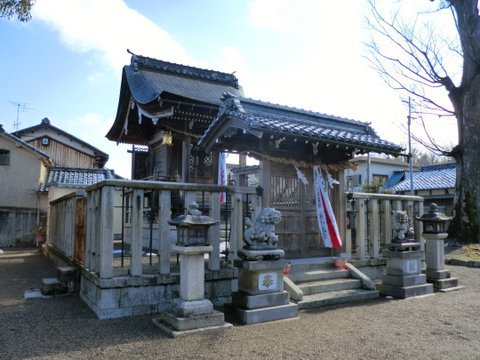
418	60
21	8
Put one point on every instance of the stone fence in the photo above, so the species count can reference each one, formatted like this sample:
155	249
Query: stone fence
369	218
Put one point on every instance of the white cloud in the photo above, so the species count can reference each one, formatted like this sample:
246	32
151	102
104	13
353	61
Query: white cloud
107	28
272	14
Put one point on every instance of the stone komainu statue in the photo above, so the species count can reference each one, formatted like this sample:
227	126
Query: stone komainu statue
261	235
402	231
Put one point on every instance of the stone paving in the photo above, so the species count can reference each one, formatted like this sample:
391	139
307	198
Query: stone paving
439	326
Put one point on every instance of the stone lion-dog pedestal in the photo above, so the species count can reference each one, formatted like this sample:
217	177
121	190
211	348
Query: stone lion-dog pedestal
261	296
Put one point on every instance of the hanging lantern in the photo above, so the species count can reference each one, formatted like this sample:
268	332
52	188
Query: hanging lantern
167	138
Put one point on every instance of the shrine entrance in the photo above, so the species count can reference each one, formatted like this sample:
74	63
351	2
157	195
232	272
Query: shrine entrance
298	232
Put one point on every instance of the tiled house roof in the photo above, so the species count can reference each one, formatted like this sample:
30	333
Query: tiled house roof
46	125
76	178
429	178
258	116
24	144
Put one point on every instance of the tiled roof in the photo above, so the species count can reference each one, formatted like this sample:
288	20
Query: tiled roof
141	62
393	180
435	177
283	120
150	85
23	144
76	178
46	124
149	78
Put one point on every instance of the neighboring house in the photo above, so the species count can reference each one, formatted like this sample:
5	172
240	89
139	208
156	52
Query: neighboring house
62	181
68	164
435	183
369	170
186	116
23	170
64	149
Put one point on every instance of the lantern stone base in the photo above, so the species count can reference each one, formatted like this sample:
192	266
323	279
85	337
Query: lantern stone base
403	278
442	280
191	312
435	261
261	296
176	326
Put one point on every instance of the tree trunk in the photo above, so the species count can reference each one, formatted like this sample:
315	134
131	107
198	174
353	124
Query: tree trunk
466	220
466	102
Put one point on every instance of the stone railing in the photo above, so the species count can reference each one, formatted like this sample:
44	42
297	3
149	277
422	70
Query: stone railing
105	222
66	227
369	222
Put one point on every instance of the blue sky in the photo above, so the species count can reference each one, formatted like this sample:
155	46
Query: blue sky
65	64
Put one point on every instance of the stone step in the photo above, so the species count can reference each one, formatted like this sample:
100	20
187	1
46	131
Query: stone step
324	286
316	275
311	264
52	286
336	297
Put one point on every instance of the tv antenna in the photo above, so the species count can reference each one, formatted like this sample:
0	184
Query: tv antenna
20	107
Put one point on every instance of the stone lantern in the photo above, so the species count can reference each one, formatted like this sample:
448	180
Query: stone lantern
434	223
192	228
191	311
435	232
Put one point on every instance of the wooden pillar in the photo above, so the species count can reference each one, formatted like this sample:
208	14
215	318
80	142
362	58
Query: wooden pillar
137	233
348	243
361	226
214	232
164	217
186	159
236	238
387	221
419	226
374	229
105	231
265	181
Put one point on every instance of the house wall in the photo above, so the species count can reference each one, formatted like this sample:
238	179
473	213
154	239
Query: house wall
65	155
377	167
20	179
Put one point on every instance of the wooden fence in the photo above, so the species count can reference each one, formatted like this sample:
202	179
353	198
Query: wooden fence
66	231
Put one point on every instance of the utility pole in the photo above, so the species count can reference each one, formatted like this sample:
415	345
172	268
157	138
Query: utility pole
410	158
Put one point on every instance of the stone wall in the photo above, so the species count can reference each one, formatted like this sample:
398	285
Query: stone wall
148	294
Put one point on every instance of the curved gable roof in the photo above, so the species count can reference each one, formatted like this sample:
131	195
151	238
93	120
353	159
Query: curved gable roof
146	82
257	117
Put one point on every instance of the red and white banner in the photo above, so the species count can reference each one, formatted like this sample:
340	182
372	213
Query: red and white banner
222	174
325	217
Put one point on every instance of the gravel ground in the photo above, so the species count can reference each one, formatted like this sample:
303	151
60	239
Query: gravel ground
440	326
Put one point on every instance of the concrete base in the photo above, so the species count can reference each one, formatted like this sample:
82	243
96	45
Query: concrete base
403	278
437	274
404	292
261	296
183	326
443	284
273	313
245	301
52	286
183	308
